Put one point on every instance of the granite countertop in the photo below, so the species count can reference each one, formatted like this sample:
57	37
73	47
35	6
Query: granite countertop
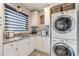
16	38
43	35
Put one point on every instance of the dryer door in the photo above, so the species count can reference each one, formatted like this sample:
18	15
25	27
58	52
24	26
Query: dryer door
62	49
63	24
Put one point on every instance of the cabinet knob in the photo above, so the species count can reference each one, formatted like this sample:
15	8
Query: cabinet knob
11	45
54	40
16	48
0	24
28	39
0	17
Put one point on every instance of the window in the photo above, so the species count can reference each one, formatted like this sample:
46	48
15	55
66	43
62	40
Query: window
42	19
14	20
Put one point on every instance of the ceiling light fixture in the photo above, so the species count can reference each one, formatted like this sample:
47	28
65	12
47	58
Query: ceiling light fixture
19	8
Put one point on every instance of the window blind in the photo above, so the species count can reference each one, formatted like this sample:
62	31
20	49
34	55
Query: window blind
14	20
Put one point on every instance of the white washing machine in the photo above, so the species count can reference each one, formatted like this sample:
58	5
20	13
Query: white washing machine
63	47
64	24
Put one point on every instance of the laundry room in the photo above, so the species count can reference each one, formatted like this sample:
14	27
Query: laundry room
39	29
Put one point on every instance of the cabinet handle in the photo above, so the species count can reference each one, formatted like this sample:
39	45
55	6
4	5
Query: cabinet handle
28	39
0	24
16	48
54	40
0	17
11	45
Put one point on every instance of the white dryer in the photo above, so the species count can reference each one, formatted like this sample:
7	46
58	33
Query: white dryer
64	24
63	47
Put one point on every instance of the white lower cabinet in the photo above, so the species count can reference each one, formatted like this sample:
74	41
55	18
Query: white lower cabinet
31	44
10	52
10	49
38	43
46	44
25	46
43	44
21	47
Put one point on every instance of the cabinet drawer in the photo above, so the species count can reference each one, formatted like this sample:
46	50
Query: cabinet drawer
10	45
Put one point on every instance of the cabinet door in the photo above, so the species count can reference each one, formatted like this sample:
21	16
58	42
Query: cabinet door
10	49
30	45
35	18
25	46
38	43
46	44
10	52
22	47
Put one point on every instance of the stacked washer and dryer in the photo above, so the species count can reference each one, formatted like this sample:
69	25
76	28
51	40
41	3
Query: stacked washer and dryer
64	33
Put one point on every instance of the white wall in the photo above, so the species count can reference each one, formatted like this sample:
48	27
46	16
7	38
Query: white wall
47	15
41	12
1	27
54	4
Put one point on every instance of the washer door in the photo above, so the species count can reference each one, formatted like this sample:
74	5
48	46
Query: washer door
63	24
62	49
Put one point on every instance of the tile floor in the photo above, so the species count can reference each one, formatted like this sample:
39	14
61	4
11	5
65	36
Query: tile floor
38	53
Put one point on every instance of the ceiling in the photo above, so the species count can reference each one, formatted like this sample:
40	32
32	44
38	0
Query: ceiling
36	6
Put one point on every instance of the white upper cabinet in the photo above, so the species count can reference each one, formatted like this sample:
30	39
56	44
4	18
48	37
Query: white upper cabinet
47	15
35	18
